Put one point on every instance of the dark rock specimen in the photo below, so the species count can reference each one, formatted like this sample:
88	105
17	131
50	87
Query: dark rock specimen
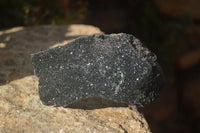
116	67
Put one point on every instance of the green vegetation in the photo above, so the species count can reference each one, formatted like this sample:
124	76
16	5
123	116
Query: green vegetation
165	36
37	12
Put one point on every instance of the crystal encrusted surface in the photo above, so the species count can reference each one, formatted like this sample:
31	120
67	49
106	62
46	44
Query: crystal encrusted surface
116	67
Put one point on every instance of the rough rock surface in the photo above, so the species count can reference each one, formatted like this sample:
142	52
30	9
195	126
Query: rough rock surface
22	111
16	45
116	67
20	107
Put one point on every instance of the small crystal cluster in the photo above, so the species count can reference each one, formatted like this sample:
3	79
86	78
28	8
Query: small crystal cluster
116	67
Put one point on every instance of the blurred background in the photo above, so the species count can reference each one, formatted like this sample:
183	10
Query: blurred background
170	28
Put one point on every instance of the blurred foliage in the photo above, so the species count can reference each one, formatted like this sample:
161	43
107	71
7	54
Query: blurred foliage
36	12
165	36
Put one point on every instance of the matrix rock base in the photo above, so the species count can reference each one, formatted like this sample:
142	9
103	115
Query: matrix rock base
117	67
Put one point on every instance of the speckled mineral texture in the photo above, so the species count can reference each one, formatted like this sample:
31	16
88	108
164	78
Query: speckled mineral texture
17	43
117	67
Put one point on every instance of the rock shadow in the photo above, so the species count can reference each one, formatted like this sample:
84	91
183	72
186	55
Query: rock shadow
95	103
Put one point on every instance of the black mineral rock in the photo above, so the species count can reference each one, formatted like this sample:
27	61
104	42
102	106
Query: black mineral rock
117	67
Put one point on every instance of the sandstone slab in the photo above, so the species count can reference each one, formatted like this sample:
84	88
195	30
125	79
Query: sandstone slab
22	111
20	107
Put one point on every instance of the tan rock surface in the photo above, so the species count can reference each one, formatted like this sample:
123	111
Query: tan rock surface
20	107
22	111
